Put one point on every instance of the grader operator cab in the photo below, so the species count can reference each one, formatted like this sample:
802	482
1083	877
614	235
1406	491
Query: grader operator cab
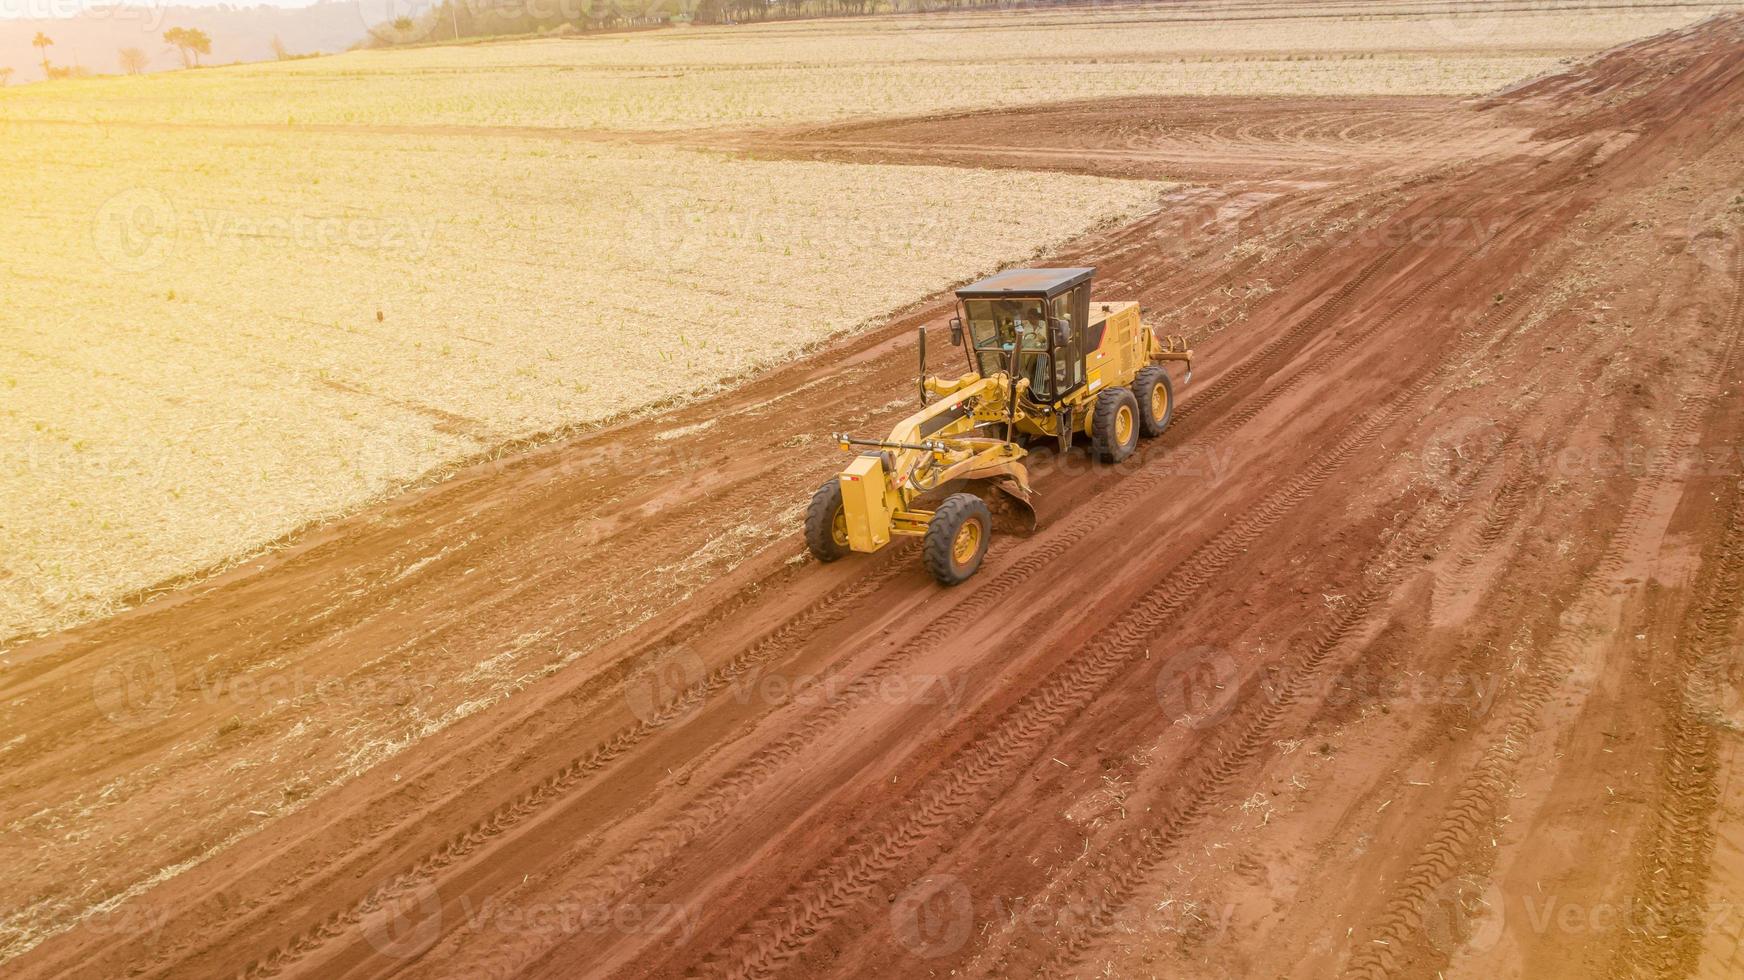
1046	361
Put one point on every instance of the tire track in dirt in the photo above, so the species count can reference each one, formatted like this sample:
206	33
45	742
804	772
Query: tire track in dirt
662	843
995	759
1482	798
1667	940
505	852
829	608
741	783
1110	880
1498	519
408	879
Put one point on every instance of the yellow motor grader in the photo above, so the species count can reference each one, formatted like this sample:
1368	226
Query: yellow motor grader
1045	362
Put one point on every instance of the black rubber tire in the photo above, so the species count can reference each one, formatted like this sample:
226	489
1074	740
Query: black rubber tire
1103	438
820	522
938	549
1150	425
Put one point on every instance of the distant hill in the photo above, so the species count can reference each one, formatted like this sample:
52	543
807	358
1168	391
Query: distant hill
93	39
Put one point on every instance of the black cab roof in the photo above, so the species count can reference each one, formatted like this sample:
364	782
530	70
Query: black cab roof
1027	282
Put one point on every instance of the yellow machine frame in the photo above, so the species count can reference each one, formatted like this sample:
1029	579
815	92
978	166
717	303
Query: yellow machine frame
971	434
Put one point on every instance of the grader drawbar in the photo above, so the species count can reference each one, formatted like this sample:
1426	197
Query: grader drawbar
1046	362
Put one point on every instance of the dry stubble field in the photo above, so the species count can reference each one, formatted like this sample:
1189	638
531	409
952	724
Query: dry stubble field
227	325
205	297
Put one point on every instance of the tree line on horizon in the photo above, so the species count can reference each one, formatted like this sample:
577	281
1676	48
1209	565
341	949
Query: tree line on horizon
458	20
190	43
452	20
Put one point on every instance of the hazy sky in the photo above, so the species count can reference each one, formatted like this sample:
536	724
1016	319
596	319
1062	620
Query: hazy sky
52	9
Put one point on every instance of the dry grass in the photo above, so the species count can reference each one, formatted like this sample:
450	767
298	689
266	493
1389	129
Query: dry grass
226	330
193	363
818	71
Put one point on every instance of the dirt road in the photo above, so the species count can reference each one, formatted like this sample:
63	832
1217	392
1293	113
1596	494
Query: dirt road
1410	650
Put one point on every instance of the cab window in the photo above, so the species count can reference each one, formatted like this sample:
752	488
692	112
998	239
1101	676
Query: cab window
1069	360
995	325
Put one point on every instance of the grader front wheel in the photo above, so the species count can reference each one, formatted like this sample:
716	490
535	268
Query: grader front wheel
956	538
826	523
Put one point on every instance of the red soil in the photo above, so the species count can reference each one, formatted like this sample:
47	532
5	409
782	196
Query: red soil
1414	633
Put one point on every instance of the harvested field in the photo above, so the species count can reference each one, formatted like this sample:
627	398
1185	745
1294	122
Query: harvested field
447	332
1416	631
823	71
224	403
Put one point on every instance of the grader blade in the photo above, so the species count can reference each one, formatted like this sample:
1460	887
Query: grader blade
1013	507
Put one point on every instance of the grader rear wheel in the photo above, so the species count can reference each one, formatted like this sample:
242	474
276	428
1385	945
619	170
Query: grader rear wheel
1115	426
1156	400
